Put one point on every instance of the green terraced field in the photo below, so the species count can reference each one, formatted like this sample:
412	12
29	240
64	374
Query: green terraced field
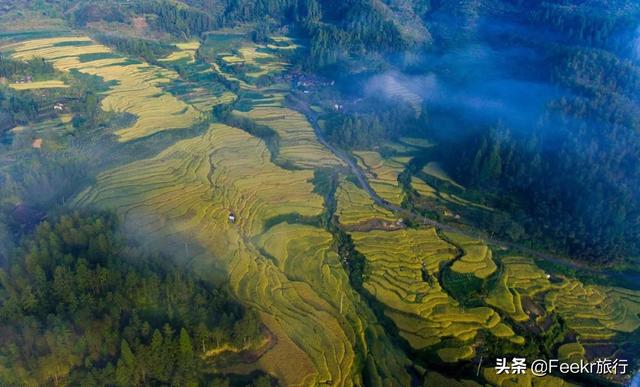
403	267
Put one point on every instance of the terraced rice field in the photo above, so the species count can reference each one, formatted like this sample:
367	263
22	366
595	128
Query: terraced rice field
520	277
55	84
304	254
595	312
136	87
382	175
354	206
477	257
288	274
402	269
422	188
185	51
298	143
257	57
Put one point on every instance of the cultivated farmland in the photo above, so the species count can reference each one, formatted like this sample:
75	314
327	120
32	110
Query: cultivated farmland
403	275
354	206
136	87
54	84
190	189
298	144
476	259
382	175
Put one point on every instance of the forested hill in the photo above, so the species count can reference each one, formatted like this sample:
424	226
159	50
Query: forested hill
81	305
356	32
559	133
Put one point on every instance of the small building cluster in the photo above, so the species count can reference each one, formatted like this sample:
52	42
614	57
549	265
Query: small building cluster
308	83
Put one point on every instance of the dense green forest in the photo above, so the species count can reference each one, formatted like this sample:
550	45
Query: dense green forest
80	306
573	169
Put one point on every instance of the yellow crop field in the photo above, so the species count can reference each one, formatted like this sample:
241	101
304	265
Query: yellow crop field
507	300
54	84
422	188
137	90
524	276
185	50
355	206
595	312
382	175
304	253
477	258
402	269
257	56
455	354
298	142
298	287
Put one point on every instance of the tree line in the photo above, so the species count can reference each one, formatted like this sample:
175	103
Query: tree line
81	306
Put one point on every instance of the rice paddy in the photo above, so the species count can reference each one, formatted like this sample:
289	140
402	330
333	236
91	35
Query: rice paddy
137	87
382	175
417	142
573	351
402	274
477	257
298	144
256	60
354	206
288	273
53	84
185	51
422	188
595	312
